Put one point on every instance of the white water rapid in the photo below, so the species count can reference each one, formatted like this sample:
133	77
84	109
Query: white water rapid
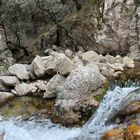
45	130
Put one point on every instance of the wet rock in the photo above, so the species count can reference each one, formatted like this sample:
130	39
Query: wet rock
77	61
116	134
19	70
128	62
24	89
38	66
132	132
9	80
58	62
4	96
130	109
54	86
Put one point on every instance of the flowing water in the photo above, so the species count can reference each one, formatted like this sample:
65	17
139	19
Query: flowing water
15	129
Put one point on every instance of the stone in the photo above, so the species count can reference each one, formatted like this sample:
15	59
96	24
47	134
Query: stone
19	70
24	89
38	66
128	62
9	80
4	96
110	59
115	134
77	61
58	63
90	57
41	85
81	81
68	53
116	66
130	109
54	86
132	132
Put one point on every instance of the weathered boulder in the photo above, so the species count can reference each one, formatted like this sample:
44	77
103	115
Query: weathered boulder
58	62
4	96
9	80
90	56
82	81
38	66
24	89
54	86
78	88
19	70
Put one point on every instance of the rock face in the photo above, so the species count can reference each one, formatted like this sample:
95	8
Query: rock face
54	86
58	62
9	80
38	66
78	88
19	70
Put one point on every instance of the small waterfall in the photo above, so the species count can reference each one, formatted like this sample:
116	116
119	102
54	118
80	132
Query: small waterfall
101	121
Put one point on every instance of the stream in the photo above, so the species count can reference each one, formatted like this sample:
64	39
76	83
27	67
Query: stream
44	129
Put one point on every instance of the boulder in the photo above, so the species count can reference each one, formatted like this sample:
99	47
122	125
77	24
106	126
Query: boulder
54	86
82	81
128	62
38	66
19	70
4	96
77	91
9	80
24	89
58	62
91	57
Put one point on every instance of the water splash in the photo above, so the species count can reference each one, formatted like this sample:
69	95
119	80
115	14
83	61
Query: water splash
31	130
